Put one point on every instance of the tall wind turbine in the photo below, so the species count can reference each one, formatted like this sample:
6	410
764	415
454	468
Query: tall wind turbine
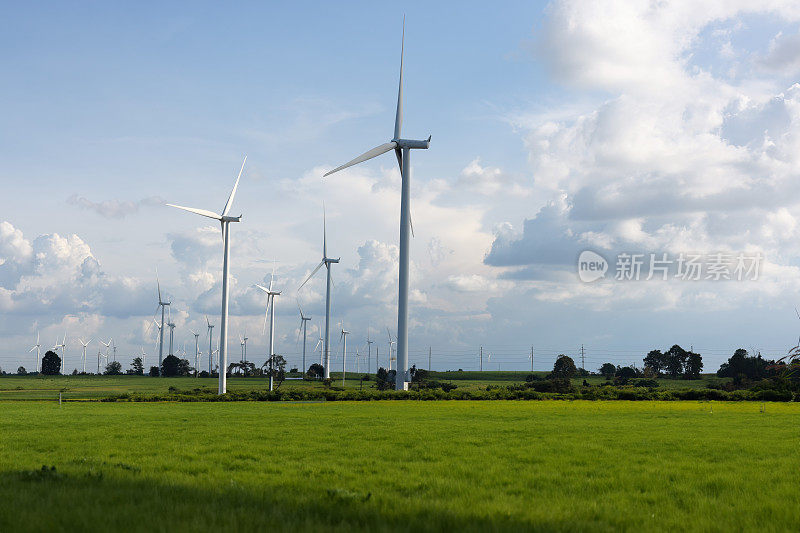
271	294
303	323
144	359
327	261
402	149
210	349
37	347
84	344
224	220
163	305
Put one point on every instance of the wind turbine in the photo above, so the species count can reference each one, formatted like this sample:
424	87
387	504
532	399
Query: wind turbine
271	294
63	347
369	350
402	149
210	350
320	342
84	344
391	348
196	352
224	220
144	359
343	336
37	347
107	345
327	261
303	323
171	326
162	304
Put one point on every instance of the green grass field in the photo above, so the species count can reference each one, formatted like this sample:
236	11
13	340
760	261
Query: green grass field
94	387
407	466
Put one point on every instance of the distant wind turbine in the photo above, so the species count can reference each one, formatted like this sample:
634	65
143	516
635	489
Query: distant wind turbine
37	347
196	352
163	305
270	310
327	262
63	347
84	344
343	337
210	350
303	322
402	149
224	220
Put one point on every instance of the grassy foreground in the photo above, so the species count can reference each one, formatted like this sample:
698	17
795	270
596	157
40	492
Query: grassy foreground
421	466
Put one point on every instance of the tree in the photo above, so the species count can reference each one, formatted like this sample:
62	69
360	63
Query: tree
564	367
137	367
171	366
694	365
741	365
153	372
385	380
608	370
315	371
21	371
675	360
655	361
276	367
114	368
51	364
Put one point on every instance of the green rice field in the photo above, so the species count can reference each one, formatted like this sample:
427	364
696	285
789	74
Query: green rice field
399	466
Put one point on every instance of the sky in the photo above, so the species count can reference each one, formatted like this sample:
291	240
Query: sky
617	127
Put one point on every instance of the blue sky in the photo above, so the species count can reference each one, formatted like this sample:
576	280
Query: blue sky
610	129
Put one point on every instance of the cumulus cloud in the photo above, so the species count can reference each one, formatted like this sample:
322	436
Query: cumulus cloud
671	157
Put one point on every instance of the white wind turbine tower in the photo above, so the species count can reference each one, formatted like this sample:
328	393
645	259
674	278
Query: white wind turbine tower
402	149
327	261
224	220
144	359
162	304
303	323
196	352
343	337
210	349
270	310
37	347
84	344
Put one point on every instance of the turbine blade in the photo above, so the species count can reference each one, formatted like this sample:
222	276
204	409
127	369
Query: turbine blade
398	119
203	212
229	203
375	152
262	288
312	274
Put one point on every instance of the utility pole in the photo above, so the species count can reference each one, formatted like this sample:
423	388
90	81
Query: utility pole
583	361
429	358
481	358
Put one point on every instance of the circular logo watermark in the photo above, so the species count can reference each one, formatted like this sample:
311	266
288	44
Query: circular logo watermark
591	266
